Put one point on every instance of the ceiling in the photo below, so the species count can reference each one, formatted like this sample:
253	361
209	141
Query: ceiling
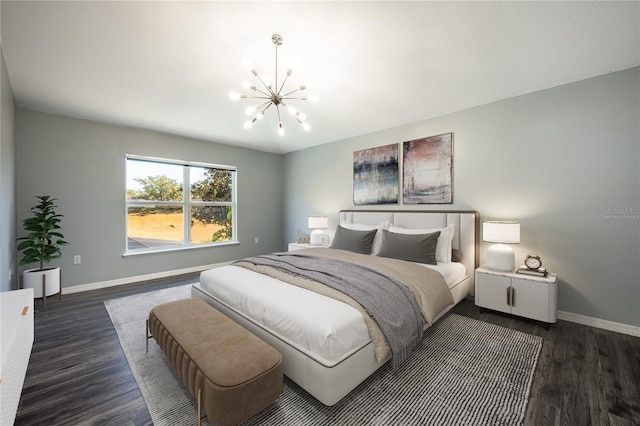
169	66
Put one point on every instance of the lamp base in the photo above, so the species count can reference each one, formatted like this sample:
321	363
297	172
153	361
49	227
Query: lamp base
501	257
317	237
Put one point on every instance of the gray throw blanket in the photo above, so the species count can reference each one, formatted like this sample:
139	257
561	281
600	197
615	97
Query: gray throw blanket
391	304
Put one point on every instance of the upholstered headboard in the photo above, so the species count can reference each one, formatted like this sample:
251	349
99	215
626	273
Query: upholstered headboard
466	227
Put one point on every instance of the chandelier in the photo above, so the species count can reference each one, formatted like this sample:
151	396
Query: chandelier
273	94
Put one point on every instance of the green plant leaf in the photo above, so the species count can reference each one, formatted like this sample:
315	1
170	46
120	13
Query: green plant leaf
43	242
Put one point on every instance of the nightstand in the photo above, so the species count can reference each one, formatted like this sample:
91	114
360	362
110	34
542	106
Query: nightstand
301	246
518	294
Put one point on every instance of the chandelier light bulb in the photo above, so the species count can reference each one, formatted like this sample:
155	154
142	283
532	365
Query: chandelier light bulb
280	129
247	64
250	110
314	98
306	126
248	124
234	96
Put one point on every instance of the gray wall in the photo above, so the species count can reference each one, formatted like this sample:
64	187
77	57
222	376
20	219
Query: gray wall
7	182
82	163
565	162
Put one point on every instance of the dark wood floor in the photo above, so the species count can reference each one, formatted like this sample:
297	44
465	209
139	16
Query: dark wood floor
78	373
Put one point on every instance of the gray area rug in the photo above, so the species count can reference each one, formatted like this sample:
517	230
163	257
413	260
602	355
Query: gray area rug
465	372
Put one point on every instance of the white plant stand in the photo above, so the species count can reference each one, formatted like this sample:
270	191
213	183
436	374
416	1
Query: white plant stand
44	283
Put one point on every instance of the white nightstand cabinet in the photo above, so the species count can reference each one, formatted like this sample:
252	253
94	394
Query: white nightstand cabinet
518	294
302	246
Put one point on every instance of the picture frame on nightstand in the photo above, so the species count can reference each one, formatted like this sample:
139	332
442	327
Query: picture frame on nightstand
303	237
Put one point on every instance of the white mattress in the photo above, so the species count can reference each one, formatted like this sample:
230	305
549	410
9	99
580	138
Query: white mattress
298	316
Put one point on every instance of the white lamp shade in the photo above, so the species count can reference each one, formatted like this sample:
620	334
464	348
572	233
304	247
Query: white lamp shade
501	232
318	222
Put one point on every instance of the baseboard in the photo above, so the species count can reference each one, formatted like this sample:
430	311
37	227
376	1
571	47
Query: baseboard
599	323
138	278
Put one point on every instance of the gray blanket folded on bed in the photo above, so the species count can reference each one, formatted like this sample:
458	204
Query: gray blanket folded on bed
390	303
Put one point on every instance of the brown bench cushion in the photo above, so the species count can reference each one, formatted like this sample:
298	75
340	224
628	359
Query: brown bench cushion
238	373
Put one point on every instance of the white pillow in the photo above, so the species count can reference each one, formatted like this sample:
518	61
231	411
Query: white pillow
377	241
443	248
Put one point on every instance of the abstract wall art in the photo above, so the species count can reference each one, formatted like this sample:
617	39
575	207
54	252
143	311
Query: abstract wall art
375	175
427	170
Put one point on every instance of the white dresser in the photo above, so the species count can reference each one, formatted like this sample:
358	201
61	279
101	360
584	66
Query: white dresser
16	341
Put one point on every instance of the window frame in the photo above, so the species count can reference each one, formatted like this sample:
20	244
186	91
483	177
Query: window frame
186	204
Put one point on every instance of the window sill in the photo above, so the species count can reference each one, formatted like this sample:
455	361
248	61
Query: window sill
174	249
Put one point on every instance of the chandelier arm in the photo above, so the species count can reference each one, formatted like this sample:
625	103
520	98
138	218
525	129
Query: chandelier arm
269	89
259	97
262	105
283	83
293	91
263	92
267	107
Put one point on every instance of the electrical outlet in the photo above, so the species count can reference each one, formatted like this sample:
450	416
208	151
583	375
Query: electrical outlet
77	259
257	240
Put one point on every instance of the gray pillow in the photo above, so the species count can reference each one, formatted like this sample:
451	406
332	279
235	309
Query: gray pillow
412	247
356	241
456	255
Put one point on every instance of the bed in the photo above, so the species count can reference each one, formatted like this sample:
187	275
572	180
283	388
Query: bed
327	344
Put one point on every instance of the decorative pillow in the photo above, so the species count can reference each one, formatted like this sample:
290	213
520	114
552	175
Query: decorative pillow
356	241
377	241
412	247
443	250
456	255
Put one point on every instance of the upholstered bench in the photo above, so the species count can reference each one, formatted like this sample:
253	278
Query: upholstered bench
230	372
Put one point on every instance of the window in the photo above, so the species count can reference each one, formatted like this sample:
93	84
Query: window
172	204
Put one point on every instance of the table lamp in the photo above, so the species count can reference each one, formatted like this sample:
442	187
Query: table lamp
317	223
501	257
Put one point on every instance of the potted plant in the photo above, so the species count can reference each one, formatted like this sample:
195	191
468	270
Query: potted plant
42	245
